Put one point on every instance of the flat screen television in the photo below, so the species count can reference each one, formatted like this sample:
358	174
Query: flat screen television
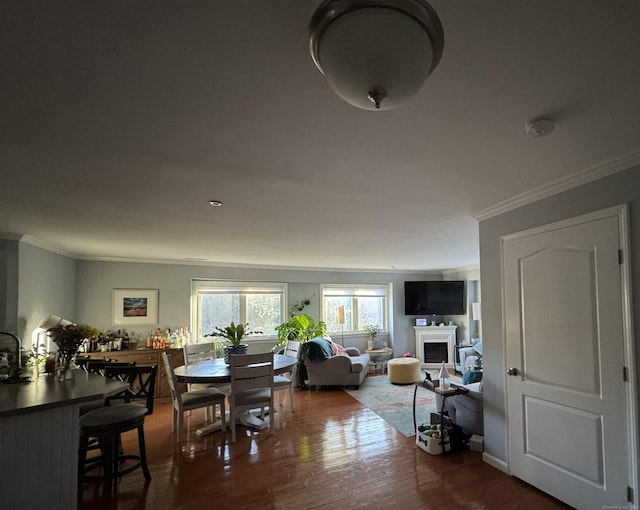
434	298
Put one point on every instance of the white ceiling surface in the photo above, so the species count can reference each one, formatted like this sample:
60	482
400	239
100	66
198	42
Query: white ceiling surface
121	120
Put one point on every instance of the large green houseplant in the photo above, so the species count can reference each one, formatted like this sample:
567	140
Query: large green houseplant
301	328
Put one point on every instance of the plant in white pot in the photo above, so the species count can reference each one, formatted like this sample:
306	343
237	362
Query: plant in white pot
233	333
373	330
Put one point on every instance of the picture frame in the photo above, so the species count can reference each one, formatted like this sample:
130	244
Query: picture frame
421	322
135	307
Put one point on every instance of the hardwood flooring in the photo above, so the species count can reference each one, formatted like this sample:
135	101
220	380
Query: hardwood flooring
330	453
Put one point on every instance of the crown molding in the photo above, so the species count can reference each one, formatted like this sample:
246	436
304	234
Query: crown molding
559	185
38	243
235	265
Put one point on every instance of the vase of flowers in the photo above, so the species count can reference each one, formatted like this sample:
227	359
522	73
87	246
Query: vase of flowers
69	338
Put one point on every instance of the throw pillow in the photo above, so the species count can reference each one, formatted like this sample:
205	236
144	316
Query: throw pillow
338	350
472	376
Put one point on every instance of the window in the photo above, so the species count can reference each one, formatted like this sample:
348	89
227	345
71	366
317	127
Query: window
218	303
363	305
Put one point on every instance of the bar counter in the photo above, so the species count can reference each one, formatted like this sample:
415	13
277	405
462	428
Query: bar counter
39	438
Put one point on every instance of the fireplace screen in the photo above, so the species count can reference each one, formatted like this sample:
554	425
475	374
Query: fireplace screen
436	352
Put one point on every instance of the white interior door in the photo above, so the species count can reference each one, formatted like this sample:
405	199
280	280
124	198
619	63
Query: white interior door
568	430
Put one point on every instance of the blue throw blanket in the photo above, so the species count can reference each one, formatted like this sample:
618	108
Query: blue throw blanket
317	349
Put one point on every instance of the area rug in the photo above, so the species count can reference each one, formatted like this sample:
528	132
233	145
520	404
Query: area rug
394	402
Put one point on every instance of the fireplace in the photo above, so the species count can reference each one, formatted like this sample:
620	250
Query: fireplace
435	344
436	352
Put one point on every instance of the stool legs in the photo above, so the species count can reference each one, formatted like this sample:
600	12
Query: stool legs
143	454
110	458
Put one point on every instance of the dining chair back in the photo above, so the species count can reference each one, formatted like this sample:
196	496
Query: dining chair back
252	386
142	384
98	366
287	381
199	352
188	400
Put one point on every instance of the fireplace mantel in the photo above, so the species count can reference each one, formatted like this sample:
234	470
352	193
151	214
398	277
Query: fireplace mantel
436	334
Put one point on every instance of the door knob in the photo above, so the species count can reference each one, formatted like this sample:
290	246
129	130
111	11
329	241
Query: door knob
512	371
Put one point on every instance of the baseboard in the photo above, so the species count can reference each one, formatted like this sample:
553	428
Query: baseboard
495	462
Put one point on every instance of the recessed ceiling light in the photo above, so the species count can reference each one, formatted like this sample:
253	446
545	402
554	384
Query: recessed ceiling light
215	203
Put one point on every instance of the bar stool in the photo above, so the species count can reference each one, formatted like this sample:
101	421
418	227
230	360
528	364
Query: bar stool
107	424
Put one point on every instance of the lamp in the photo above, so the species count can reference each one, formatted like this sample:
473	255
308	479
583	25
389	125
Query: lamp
341	321
50	322
476	315
476	311
376	54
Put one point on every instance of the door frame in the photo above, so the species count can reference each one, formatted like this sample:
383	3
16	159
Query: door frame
621	212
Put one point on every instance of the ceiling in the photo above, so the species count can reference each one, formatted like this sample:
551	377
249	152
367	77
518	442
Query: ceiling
120	120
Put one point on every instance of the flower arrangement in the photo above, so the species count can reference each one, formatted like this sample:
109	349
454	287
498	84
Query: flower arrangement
70	337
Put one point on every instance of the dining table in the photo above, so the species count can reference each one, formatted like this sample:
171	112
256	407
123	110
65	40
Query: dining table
216	371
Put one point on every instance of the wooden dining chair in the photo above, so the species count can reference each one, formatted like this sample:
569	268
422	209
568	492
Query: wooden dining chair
194	399
201	352
252	386
287	381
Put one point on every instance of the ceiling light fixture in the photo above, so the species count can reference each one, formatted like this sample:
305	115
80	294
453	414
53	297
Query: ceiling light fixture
539	127
376	54
215	203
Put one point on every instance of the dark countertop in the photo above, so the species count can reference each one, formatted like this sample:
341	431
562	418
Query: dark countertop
47	392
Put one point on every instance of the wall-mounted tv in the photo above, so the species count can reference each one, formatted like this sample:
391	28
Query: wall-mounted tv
435	298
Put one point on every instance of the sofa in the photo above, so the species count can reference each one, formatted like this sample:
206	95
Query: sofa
325	367
466	409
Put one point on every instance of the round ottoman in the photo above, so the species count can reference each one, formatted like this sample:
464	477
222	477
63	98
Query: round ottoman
404	370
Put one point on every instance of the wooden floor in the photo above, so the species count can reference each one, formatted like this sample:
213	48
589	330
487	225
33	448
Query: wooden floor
330	453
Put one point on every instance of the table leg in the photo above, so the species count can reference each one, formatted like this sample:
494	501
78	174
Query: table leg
248	419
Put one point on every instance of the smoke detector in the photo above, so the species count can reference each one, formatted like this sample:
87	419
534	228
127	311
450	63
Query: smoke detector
539	127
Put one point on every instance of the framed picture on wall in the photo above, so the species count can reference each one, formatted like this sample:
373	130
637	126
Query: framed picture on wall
135	307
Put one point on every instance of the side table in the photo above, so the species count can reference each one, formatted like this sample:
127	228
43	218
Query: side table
449	392
379	358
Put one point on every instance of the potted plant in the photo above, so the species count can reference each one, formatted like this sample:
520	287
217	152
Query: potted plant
33	360
233	333
301	328
373	330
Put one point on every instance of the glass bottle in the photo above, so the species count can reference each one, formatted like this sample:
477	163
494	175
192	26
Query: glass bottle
443	377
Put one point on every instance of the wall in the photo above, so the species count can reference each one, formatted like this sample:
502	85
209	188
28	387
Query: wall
9	285
34	283
465	325
622	187
96	279
47	283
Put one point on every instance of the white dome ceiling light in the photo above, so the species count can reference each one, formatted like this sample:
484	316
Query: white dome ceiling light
539	127
376	54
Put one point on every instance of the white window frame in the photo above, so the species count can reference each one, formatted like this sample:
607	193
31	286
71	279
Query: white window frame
384	290
200	285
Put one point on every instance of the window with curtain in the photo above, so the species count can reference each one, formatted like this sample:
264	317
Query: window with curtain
357	305
218	303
